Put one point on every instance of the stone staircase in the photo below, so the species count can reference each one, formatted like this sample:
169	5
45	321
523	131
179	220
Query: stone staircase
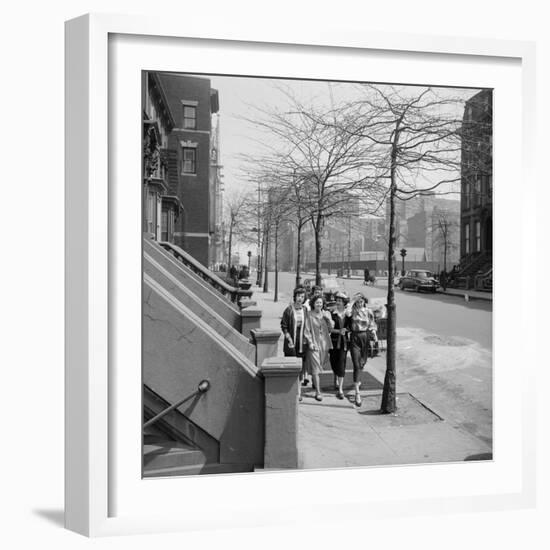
472	266
192	333
174	446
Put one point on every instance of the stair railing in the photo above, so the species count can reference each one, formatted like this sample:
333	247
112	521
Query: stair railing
235	294
202	388
482	279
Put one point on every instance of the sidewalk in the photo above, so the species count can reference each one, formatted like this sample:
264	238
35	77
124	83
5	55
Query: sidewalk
335	433
468	294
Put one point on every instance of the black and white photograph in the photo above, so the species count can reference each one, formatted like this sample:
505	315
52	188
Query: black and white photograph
317	274
249	284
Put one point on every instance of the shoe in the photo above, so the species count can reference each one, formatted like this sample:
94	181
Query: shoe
318	397
358	399
300	398
340	395
305	382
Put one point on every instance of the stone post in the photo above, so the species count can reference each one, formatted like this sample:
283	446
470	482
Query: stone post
247	303
266	342
281	411
250	319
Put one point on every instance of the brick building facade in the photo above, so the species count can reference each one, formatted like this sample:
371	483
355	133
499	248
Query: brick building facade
476	208
185	104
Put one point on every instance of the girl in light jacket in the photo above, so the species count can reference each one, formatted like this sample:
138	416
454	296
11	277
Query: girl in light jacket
317	338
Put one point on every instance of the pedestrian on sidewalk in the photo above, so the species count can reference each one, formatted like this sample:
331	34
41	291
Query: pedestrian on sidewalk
292	325
360	321
316	291
443	280
339	337
372	336
233	274
318	325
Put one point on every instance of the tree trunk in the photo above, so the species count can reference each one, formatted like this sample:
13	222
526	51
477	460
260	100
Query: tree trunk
298	254
389	392
266	250
445	254
230	246
276	292
260	265
318	250
349	247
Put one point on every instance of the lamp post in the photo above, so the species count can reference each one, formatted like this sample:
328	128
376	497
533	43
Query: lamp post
403	253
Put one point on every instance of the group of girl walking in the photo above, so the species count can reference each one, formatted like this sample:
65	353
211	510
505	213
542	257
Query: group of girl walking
322	338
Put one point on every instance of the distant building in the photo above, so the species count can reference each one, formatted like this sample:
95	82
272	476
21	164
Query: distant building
181	107
417	229
217	248
476	208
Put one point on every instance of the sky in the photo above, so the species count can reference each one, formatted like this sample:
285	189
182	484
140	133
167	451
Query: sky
239	96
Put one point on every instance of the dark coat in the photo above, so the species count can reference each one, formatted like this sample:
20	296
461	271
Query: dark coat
288	327
339	340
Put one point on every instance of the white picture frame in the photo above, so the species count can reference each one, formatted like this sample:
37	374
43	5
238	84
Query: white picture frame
100	420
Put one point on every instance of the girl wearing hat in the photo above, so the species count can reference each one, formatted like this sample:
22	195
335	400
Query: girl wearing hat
361	319
338	335
317	337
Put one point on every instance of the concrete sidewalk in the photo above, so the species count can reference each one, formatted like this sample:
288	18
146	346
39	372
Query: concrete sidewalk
335	433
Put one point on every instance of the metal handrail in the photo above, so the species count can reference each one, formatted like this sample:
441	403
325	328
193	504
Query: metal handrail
481	278
203	387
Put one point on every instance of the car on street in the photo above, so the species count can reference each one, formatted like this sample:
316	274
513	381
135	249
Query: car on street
419	279
330	287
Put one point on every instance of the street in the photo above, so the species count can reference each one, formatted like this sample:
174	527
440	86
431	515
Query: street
444	353
439	314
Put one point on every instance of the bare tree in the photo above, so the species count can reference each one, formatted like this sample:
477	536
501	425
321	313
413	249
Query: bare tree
278	213
324	164
237	221
417	138
444	228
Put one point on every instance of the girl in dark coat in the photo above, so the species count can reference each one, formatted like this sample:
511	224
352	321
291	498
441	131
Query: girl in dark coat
339	337
292	324
360	319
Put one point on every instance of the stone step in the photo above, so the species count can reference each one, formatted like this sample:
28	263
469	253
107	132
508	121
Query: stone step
161	454
207	468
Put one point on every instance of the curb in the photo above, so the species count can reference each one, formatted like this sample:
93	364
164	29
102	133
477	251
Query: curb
467	296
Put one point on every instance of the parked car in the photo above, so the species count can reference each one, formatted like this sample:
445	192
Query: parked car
330	287
419	279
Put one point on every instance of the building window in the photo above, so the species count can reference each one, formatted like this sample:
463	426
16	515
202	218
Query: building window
189	117
478	236
466	238
477	191
189	165
151	212
466	194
